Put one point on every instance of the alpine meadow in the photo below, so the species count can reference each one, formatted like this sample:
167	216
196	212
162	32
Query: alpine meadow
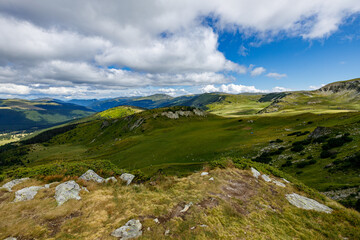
179	119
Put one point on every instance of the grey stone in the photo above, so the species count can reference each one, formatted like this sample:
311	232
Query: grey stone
26	193
211	179
112	179
277	183
156	220
9	185
167	232
127	177
204	173
187	206
90	175
50	184
10	238
266	178
132	229
307	203
285	180
66	191
255	172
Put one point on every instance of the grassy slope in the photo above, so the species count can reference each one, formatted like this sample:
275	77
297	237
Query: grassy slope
185	144
233	206
17	114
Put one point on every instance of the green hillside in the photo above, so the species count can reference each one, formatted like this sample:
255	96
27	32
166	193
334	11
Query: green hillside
18	114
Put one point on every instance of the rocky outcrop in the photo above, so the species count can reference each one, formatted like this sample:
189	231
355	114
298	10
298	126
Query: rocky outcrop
342	194
8	186
255	172
90	175
127	177
132	229
180	113
278	183
66	191
307	203
319	132
26	193
266	178
352	85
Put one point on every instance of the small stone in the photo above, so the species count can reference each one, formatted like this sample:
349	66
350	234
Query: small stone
10	238
167	232
90	175
280	184
132	229
203	225
127	177
204	173
307	203
156	220
66	191
112	179
187	206
266	178
85	189
26	193
255	172
192	228
285	180
211	179
9	185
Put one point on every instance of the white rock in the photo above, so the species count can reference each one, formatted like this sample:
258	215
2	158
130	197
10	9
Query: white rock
285	180
85	189
156	220
90	175
132	229
192	228
10	238
255	172
66	191
204	173
307	203
112	179
187	206
127	177
203	225
266	178
9	185
167	232
26	193
211	179
280	184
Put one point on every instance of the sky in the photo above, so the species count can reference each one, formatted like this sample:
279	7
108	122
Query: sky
85	49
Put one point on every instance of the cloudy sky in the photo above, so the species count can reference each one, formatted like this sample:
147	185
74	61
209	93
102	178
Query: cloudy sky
96	49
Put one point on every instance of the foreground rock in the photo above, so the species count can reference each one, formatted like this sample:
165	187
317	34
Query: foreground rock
307	203
132	229
90	175
8	186
26	193
127	177
255	172
66	191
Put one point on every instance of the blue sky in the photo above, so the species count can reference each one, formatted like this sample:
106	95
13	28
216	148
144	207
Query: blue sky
101	49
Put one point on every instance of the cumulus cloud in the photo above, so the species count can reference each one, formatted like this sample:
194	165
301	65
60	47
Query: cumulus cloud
280	89
230	88
276	75
132	44
257	71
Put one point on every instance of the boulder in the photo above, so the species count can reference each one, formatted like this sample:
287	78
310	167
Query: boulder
26	193
132	229
266	178
111	179
8	186
66	191
320	132
255	172
127	177
90	175
307	203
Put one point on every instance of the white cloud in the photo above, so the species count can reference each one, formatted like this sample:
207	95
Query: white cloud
231	88
9	88
60	43
257	71
276	75
312	87
280	89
